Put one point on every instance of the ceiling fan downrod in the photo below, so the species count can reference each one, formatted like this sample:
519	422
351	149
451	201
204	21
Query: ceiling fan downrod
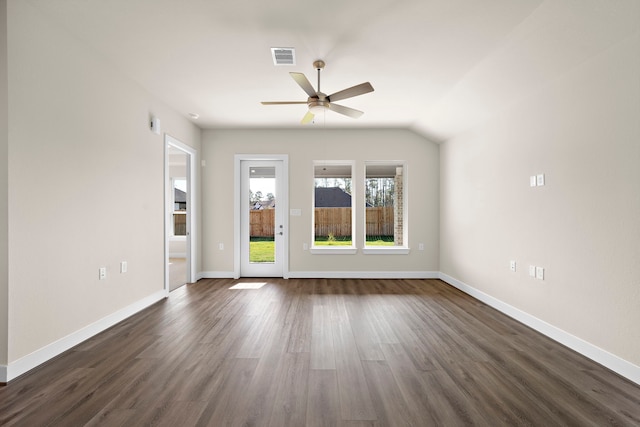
319	65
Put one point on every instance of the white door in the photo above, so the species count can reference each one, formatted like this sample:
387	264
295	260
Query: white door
263	202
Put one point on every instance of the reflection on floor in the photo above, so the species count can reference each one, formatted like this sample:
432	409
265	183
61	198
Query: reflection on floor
177	272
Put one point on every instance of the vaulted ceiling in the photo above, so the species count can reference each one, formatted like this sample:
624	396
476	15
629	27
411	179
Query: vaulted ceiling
437	66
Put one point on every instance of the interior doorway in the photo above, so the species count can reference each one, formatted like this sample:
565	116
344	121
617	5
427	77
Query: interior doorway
179	222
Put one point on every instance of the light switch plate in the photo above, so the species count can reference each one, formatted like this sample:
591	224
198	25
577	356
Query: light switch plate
532	270
532	181
512	265
540	180
540	273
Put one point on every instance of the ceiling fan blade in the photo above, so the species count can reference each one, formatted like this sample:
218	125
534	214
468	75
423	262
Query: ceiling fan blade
356	90
307	118
282	102
302	80
351	112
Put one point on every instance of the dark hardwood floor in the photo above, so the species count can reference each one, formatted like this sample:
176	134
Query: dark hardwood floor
320	353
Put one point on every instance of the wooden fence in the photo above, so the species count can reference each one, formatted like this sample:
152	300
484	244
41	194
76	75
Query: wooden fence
336	221
262	223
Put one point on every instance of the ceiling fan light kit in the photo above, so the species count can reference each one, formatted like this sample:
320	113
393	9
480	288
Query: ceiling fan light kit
318	102
317	106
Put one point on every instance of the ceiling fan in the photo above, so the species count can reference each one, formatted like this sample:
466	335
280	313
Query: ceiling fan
319	102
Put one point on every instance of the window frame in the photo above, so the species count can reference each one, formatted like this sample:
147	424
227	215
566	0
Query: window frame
389	250
337	250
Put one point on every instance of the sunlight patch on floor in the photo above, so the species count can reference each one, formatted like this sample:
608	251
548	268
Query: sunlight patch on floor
248	285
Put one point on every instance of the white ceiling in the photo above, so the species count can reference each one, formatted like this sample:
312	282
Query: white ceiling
437	66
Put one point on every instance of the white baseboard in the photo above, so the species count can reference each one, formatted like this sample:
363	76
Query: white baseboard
603	357
216	275
335	275
30	361
364	275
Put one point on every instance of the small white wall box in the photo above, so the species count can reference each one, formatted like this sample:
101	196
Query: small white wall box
155	125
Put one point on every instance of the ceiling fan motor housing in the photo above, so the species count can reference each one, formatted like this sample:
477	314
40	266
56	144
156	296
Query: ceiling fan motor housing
317	106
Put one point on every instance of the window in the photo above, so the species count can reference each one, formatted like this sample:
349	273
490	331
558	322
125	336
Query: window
385	205
179	206
333	217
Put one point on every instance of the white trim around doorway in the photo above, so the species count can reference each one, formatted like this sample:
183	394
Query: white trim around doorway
284	205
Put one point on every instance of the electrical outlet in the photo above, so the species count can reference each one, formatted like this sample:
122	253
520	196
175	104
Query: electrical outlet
102	273
512	266
540	273
421	246
123	267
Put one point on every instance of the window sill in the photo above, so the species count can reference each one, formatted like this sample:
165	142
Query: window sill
344	250
396	250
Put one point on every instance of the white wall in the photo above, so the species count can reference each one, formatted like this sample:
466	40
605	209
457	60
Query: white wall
303	146
85	185
4	163
583	226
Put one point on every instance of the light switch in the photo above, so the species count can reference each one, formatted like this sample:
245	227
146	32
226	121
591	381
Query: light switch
540	273
532	271
512	265
532	181
540	180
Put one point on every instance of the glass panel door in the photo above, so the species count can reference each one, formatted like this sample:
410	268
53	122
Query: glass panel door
262	229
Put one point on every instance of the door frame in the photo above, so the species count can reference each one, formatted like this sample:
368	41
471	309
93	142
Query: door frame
192	222
283	203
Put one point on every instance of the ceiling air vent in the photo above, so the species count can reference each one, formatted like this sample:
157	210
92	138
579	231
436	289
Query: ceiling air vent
283	55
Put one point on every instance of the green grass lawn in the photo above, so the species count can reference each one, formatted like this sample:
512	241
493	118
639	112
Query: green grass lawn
262	251
348	243
332	243
379	243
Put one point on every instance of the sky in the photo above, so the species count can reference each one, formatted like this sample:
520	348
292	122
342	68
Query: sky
265	185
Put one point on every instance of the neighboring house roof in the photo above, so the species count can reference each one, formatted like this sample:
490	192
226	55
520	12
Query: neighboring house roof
332	197
264	204
179	196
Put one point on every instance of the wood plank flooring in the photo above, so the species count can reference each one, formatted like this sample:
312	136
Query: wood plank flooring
320	353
